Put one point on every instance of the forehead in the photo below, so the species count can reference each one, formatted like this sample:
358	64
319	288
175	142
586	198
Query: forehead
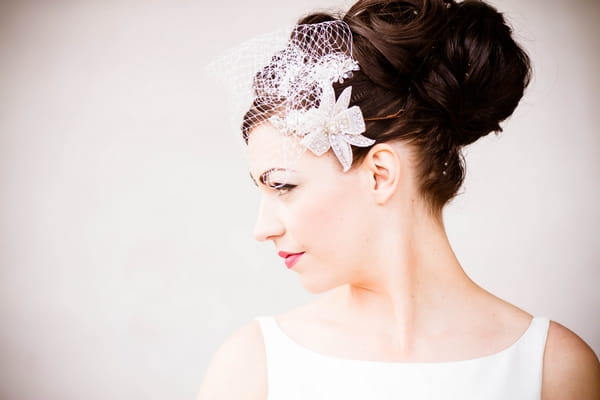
269	148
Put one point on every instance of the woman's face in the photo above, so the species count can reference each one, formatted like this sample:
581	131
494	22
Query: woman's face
319	218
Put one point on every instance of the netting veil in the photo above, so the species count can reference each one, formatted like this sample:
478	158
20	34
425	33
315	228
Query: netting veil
286	79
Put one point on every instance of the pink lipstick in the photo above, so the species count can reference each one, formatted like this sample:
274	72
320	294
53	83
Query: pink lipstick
290	258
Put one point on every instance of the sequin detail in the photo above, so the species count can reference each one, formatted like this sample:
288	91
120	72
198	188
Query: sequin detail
332	125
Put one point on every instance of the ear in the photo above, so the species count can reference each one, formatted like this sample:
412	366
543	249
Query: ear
383	167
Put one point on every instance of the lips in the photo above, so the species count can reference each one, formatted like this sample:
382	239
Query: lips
290	258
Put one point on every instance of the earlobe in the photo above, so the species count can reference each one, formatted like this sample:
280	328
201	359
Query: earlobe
383	165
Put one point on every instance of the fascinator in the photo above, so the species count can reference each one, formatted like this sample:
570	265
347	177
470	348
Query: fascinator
286	78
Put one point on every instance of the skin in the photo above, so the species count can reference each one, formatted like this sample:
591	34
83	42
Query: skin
393	289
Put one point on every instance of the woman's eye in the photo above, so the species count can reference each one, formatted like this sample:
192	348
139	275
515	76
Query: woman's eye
282	188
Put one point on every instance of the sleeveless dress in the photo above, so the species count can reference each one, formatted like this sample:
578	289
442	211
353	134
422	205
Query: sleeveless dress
295	372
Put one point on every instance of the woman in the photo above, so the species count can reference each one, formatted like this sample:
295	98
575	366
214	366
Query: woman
354	138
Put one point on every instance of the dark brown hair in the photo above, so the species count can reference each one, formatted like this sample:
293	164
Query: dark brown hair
436	74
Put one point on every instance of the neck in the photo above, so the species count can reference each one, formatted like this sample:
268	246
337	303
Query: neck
412	283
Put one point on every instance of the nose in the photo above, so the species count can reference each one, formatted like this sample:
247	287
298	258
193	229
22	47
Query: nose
268	226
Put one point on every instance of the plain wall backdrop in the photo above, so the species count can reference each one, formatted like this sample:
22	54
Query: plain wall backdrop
126	211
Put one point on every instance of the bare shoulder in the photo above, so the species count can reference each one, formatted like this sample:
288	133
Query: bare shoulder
238	368
571	368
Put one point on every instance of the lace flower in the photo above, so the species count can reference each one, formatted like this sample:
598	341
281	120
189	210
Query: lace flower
331	125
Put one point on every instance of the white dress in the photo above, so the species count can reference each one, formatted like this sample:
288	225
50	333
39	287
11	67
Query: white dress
295	372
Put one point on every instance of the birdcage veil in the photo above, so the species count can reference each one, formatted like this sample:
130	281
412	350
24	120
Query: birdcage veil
285	78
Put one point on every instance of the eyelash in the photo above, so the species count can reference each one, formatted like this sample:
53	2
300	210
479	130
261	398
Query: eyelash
281	188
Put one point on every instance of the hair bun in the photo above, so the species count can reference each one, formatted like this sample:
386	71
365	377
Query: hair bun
459	60
392	38
477	73
436	74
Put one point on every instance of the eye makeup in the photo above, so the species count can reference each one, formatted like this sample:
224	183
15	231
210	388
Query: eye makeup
275	178
272	174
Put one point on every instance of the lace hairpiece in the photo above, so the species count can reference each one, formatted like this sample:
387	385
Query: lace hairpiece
289	83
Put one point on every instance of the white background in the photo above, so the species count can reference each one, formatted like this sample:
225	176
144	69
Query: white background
126	209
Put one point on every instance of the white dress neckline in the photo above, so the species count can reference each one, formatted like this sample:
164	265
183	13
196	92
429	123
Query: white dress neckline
535	321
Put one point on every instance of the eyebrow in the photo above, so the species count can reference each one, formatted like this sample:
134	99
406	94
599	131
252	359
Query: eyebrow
263	177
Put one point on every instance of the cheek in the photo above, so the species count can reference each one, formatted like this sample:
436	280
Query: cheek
334	219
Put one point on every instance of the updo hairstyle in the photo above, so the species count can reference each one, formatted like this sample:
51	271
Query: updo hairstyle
435	74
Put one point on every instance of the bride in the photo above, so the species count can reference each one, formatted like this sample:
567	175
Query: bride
354	141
